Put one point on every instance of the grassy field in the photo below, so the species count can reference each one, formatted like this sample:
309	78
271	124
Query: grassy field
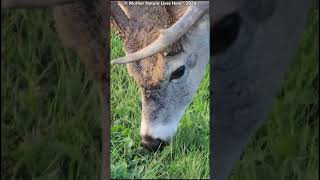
50	128
188	155
286	147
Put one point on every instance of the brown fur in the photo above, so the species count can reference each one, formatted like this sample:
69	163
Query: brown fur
83	26
145	23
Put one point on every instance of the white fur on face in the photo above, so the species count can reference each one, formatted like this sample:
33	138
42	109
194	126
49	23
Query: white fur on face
158	129
163	108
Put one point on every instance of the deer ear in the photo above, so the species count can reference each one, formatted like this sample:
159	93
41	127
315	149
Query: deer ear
11	4
119	20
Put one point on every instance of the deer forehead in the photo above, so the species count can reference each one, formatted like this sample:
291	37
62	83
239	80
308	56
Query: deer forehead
152	71
149	72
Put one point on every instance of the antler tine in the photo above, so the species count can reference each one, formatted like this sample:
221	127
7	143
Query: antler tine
168	36
10	4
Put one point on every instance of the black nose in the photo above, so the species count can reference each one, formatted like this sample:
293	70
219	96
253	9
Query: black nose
152	144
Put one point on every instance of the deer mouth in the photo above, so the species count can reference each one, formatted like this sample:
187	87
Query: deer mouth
152	144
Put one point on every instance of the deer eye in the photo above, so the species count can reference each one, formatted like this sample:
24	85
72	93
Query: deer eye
178	73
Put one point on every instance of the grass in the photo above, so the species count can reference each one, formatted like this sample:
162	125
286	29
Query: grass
286	147
188	155
50	128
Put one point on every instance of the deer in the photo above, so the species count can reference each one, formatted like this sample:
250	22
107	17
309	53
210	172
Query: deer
82	26
166	63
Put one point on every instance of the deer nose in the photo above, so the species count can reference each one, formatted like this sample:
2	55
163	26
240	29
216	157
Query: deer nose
152	144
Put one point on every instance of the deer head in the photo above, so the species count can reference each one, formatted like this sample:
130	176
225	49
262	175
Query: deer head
167	50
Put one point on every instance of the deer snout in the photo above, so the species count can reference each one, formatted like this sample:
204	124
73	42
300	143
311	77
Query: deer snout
152	144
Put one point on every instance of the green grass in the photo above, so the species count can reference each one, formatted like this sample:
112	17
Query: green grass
188	155
50	127
286	147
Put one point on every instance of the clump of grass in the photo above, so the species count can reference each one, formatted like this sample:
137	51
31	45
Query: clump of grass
188	155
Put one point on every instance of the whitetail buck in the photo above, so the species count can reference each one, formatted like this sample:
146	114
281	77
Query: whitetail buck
169	78
173	44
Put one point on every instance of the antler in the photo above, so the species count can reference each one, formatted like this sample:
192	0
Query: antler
32	3
168	36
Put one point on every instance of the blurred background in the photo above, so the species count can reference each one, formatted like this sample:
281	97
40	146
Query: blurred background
50	121
286	147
